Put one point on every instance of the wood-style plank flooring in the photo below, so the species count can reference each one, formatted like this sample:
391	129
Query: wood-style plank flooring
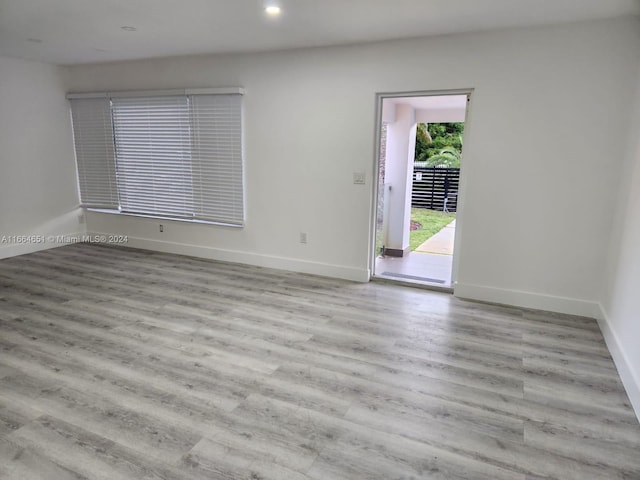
125	364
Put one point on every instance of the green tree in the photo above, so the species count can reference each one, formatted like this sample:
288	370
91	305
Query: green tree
432	139
423	142
447	157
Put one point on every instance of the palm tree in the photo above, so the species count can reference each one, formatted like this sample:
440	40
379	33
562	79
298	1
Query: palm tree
447	157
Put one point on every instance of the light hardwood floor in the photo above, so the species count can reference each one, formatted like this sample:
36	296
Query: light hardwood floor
124	364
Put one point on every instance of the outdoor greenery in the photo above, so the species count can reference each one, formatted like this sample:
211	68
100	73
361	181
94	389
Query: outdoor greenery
447	157
431	222
439	144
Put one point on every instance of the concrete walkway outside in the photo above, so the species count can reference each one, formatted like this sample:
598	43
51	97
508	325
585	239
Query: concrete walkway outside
441	243
431	263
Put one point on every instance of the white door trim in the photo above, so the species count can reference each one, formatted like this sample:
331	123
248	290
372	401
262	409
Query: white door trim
380	96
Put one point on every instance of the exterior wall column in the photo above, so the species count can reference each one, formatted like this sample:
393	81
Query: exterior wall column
401	144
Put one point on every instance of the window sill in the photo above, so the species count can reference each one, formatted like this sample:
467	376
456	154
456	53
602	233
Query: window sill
162	217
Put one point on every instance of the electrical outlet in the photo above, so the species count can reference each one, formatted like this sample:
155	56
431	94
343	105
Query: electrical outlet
161	228
81	218
303	237
359	178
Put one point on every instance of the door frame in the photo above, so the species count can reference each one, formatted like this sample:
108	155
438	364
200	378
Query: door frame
380	96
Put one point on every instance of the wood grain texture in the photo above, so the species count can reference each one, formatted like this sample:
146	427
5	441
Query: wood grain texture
119	364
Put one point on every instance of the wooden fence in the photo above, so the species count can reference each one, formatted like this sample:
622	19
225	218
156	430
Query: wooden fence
432	185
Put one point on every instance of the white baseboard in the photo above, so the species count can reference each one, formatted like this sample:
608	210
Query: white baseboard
248	258
40	242
518	298
628	373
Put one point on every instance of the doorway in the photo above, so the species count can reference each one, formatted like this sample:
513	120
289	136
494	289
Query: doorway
420	139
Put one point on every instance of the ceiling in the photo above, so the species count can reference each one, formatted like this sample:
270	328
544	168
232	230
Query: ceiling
432	102
82	31
428	108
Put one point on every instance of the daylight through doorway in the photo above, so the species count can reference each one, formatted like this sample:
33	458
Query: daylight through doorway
421	143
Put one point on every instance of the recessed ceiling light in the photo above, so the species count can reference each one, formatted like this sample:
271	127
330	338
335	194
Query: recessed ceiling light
272	10
127	28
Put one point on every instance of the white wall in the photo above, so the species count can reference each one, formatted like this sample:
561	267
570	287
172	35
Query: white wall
621	300
400	152
38	193
541	153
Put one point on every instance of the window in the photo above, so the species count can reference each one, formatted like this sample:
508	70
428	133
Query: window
93	137
166	154
153	152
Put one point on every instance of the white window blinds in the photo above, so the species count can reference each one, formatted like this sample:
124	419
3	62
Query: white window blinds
93	138
169	155
153	152
217	157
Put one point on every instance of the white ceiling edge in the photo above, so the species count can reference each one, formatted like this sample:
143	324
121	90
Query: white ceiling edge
73	32
333	45
285	49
